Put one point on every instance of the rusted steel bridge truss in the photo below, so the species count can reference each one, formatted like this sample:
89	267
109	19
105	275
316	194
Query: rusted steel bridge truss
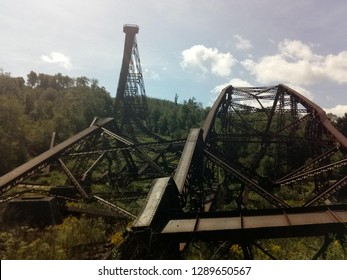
263	152
97	156
270	139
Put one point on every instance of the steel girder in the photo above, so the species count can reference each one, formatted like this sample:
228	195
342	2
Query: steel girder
251	142
99	155
281	138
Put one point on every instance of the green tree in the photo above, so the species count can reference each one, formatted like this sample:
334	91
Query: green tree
32	79
47	103
12	134
341	124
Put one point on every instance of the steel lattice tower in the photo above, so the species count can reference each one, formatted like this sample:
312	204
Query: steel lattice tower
131	94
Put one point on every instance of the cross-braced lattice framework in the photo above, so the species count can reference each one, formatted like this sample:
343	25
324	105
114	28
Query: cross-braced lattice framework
135	92
268	160
97	156
277	143
130	103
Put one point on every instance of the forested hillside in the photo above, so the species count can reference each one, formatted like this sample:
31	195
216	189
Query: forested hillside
172	119
31	109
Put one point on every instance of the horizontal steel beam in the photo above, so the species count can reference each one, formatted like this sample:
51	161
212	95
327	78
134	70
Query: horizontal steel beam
238	226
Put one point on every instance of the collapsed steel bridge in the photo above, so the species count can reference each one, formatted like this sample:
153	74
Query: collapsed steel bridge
267	163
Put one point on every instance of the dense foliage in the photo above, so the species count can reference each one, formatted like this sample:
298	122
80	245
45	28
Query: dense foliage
341	124
64	241
169	118
31	110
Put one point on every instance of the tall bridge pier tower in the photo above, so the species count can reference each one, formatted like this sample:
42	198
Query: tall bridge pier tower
130	102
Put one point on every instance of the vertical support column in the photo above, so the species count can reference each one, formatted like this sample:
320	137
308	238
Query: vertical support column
130	32
48	168
73	180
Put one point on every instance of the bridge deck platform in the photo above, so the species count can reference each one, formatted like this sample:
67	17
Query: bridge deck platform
248	225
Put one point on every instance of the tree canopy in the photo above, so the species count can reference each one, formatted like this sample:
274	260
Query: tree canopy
32	109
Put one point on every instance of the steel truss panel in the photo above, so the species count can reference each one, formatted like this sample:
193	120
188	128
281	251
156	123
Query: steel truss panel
276	123
22	172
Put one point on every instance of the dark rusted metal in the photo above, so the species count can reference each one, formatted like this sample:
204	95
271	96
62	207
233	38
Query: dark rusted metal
130	32
273	121
314	221
162	200
320	113
130	102
17	175
276	122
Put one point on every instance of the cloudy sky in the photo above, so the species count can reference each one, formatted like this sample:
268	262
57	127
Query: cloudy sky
189	47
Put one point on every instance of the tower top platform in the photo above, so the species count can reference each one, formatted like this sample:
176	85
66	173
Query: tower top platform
130	28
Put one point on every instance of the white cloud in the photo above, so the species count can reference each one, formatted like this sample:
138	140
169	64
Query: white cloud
242	44
208	60
151	75
295	50
338	110
296	63
236	82
336	67
58	58
301	90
